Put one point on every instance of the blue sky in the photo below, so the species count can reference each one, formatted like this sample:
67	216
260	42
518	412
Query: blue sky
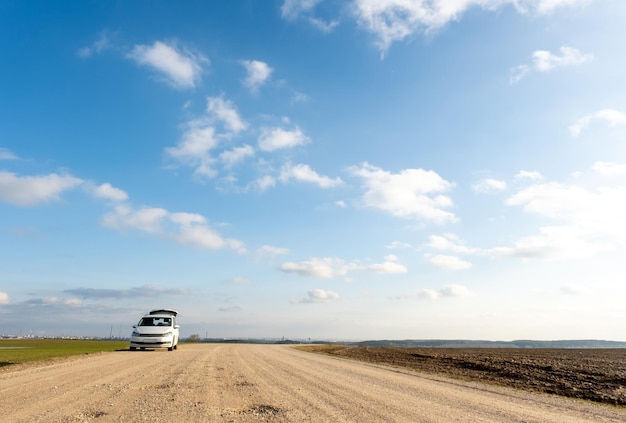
314	168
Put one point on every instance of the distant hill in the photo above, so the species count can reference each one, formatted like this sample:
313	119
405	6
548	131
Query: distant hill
464	343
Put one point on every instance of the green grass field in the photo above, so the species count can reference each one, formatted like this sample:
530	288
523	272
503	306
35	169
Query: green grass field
17	351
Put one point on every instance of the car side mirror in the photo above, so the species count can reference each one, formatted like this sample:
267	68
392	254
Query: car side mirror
134	326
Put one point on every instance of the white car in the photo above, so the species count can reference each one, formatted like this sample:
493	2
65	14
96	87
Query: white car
157	329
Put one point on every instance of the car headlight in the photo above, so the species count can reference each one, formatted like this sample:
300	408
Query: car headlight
167	334
135	333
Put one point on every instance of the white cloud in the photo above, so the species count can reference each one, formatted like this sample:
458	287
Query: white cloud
195	147
609	169
269	251
236	155
258	73
304	173
292	9
109	192
226	112
265	182
448	291
181	68
389	266
573	290
318	296
324	26
6	154
610	116
4	298
544	61
185	228
454	291
277	138
489	186
449	242
590	221
34	190
398	245
396	20
450	262
410	194
323	268
100	45
531	175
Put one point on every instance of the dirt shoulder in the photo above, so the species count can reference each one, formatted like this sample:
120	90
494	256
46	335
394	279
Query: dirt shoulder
591	374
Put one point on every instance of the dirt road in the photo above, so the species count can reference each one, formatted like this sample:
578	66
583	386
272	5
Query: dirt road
263	383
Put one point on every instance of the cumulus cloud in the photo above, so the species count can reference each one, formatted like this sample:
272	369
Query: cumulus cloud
610	116
389	266
135	292
6	154
257	74
396	20
278	138
544	61
34	190
194	148
589	221
449	242
226	112
450	262
179	67
304	173
323	268
185	228
236	155
4	298
109	192
489	186
318	296
264	182
410	194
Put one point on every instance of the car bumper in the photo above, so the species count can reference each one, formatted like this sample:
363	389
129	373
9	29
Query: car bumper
151	342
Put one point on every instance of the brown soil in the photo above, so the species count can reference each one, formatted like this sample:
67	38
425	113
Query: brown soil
592	374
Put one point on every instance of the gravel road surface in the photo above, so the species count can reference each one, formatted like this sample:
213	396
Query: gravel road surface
263	383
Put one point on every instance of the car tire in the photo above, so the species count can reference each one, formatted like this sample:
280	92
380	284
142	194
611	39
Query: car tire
133	348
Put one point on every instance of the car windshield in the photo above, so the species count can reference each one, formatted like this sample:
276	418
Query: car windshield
155	321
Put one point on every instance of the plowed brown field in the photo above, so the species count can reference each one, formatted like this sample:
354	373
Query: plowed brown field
592	374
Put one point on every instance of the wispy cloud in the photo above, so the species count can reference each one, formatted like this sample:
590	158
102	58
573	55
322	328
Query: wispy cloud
35	190
257	74
109	192
181	68
489	186
610	116
4	298
544	61
101	44
396	20
447	291
292	9
304	173
323	268
270	251
6	154
278	138
391	265
225	111
136	292
185	228
450	262
410	194
318	296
